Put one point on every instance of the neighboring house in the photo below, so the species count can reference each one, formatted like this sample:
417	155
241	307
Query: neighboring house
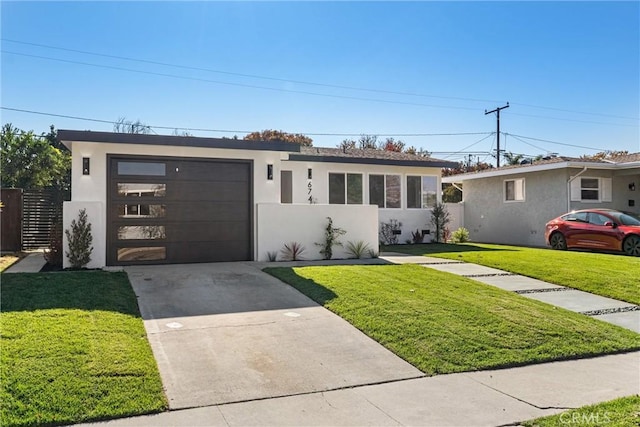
173	199
512	204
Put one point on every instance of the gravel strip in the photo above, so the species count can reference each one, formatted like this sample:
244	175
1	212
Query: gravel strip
471	276
611	310
535	291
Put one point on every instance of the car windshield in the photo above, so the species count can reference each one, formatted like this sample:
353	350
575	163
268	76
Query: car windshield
627	218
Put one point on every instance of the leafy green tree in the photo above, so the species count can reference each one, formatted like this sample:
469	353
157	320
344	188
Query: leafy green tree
513	159
31	161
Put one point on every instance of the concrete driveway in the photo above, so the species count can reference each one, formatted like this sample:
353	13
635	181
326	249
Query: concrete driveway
227	332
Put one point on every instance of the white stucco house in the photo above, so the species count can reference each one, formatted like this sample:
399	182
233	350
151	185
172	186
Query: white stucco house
512	204
155	199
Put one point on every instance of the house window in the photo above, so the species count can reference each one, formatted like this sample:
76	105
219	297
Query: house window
421	192
286	187
514	190
345	188
591	190
385	191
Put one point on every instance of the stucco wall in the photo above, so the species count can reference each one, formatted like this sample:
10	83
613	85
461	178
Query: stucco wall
622	193
278	224
490	219
96	212
411	219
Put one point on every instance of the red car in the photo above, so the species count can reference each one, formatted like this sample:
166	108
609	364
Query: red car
604	229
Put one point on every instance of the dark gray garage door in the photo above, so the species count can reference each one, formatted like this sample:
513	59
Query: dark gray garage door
171	210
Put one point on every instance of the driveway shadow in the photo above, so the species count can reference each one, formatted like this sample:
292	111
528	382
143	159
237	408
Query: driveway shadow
171	291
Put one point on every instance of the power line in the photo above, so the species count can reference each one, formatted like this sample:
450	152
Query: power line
488	134
242	131
303	82
575	111
574	120
175	76
254	76
469	146
555	142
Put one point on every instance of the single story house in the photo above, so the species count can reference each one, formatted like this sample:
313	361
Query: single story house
155	199
512	204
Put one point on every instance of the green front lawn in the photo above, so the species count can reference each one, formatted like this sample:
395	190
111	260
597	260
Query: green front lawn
623	412
74	349
613	276
443	323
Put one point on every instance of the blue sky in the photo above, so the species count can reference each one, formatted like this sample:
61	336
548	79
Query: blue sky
427	67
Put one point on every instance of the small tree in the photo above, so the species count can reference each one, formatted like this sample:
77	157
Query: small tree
331	235
440	219
53	254
79	238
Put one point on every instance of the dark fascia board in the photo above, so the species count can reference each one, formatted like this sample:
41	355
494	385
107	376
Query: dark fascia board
372	161
178	141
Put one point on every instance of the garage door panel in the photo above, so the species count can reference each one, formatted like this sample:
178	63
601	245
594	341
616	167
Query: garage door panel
208	231
201	171
205	211
208	190
183	252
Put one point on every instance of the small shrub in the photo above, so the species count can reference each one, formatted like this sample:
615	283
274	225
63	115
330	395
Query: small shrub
272	256
292	251
357	249
79	238
53	253
373	254
417	237
440	219
461	235
387	232
331	235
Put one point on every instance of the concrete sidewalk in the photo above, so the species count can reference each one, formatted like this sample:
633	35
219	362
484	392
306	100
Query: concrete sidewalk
609	310
32	263
484	398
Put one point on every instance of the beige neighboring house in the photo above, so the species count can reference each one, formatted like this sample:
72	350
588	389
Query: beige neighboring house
512	204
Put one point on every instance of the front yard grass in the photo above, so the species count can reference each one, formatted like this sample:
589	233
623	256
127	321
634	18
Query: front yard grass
443	323
613	276
74	349
622	412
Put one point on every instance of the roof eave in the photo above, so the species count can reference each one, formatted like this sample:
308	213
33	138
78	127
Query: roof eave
371	161
538	168
67	137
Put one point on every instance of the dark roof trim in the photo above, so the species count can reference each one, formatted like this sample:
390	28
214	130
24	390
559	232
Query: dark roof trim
372	161
178	141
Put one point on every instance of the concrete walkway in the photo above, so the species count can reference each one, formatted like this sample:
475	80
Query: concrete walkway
609	310
32	263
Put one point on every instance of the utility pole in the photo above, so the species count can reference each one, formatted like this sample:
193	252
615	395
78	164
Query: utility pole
497	111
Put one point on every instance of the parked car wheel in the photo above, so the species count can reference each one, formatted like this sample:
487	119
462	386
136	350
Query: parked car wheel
631	245
557	241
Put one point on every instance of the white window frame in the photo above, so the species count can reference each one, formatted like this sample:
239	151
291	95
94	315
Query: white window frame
518	184
346	187
406	188
384	188
604	190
